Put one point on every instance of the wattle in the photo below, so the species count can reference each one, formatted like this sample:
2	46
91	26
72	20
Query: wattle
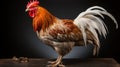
32	13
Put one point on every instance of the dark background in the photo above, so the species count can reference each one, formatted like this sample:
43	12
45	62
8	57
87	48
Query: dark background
21	40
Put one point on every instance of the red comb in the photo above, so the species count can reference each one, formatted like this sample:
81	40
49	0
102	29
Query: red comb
32	2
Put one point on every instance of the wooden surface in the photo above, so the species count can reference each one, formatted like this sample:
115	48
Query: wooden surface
91	62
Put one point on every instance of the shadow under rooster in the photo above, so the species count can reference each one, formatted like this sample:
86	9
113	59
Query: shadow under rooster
63	34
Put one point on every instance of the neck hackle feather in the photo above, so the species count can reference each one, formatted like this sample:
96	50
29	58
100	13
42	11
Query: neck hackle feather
43	19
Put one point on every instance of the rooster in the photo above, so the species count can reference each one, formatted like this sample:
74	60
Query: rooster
63	34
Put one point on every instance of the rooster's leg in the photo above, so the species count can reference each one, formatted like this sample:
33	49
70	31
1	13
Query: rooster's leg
57	62
53	62
61	65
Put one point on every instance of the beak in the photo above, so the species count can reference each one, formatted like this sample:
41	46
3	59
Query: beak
26	10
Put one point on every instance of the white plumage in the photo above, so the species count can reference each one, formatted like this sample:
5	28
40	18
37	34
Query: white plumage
91	21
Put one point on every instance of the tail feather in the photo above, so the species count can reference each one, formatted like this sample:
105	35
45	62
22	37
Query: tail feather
88	20
96	7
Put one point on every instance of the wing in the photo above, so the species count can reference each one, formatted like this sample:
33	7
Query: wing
64	31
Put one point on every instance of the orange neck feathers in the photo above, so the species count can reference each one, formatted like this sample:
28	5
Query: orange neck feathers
43	19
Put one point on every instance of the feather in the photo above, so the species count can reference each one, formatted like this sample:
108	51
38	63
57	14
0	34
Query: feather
88	20
43	19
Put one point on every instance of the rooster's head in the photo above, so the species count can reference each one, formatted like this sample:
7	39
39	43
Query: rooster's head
32	7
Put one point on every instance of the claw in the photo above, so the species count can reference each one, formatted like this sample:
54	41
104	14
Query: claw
51	65
61	65
51	62
56	63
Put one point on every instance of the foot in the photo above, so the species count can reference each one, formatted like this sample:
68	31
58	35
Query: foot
51	65
55	65
51	62
61	65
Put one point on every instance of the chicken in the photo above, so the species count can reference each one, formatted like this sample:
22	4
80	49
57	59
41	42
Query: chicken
63	34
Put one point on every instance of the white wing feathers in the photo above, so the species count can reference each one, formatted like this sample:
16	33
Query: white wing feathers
90	20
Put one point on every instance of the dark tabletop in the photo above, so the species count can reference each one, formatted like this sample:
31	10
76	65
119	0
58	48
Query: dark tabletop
41	62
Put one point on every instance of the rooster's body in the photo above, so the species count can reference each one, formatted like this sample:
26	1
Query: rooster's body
63	34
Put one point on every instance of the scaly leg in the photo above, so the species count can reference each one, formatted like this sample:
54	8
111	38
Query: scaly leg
53	62
61	65
57	63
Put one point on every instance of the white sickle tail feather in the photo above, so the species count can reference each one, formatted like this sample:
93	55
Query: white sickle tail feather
89	20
